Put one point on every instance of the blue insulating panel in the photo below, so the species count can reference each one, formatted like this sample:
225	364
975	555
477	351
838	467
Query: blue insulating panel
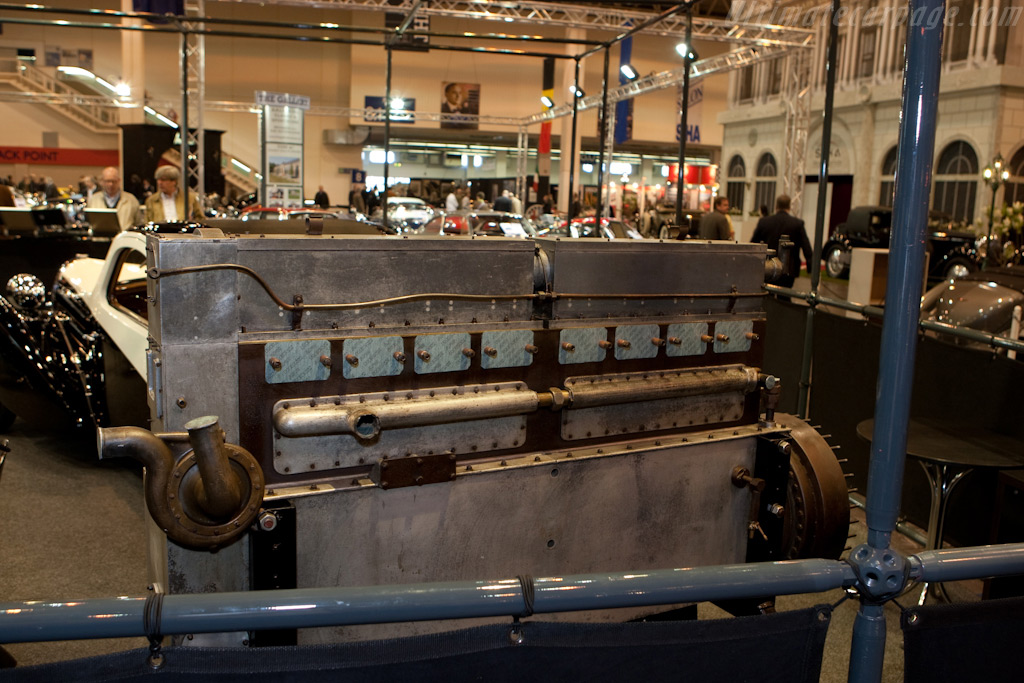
510	347
639	338
585	348
689	336
375	357
736	331
446	352
300	360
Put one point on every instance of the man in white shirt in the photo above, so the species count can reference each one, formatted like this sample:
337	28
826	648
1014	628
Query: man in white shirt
113	197
452	201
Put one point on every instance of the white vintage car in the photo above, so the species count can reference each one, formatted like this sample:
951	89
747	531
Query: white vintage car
80	347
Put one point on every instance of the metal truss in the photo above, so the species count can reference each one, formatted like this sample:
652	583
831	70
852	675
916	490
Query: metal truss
727	61
797	99
195	48
576	15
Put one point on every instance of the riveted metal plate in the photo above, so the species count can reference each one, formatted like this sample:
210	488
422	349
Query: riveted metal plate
689	336
736	332
645	416
444	352
309	454
374	356
584	345
509	346
638	338
299	360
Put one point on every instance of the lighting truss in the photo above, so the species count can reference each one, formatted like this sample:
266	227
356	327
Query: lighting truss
576	15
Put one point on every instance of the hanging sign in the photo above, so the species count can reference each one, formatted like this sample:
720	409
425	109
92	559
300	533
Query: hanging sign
281	148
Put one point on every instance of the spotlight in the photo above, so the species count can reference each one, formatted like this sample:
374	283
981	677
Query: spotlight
628	72
578	92
397	103
547	101
686	51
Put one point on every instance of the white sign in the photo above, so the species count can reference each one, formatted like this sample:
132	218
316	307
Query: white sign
283	124
281	99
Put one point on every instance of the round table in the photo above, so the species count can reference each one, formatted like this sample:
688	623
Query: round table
948	453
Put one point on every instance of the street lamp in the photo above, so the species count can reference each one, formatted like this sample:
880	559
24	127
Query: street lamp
995	175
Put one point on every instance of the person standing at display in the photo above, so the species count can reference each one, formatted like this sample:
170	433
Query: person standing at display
503	203
321	198
86	187
167	204
772	229
716	225
113	197
451	202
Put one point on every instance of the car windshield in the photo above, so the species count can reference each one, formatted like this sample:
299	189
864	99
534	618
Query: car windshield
506	225
407	205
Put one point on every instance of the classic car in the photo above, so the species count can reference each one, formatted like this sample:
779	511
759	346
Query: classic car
611	228
494	223
405	214
951	254
278	213
82	346
982	301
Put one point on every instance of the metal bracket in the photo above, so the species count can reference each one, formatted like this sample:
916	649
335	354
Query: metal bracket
414	470
882	573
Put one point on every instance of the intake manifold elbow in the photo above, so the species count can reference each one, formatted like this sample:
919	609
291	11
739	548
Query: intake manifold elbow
204	499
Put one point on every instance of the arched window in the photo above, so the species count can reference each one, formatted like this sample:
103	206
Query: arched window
885	195
1015	185
764	188
956	181
736	187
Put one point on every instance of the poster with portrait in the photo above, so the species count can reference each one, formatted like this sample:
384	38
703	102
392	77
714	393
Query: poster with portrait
460	102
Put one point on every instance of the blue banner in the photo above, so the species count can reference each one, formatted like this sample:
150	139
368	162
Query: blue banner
624	108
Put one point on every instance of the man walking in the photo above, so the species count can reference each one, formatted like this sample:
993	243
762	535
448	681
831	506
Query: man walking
781	225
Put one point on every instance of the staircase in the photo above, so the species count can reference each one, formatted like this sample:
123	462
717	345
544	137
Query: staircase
93	112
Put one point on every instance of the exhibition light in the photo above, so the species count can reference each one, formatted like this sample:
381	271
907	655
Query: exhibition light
628	71
587	168
578	92
76	71
397	103
547	101
686	51
478	161
123	89
240	165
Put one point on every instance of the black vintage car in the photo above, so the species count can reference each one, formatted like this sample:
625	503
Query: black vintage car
951	254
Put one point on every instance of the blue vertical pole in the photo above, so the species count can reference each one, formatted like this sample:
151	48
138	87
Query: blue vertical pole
902	308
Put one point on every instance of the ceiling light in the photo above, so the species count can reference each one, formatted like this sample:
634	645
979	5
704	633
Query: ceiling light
628	71
578	92
547	101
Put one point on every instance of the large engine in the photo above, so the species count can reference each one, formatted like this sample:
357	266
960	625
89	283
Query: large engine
455	408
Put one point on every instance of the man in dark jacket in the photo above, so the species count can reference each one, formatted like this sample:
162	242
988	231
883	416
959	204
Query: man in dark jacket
321	199
772	229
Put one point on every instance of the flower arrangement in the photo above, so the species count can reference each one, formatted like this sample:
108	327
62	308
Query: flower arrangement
1007	220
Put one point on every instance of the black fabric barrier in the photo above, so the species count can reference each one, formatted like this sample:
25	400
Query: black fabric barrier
784	647
973	387
976	641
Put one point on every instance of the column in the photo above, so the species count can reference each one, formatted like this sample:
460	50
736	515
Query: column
133	66
562	95
990	57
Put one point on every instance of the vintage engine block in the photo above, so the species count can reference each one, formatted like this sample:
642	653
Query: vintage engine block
429	409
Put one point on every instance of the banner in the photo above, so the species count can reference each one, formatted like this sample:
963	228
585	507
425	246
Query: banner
693	114
56	156
281	148
462	101
624	108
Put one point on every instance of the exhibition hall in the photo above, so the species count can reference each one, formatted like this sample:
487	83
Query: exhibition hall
511	340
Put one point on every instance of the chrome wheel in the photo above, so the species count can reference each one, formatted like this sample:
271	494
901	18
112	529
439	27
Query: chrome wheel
834	265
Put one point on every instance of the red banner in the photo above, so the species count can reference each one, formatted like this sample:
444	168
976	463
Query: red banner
55	156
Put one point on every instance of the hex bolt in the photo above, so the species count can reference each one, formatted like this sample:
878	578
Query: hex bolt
325	361
623	343
569	346
724	338
275	363
706	338
531	349
424	356
268	521
675	341
399	356
658	341
604	344
776	510
752	336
